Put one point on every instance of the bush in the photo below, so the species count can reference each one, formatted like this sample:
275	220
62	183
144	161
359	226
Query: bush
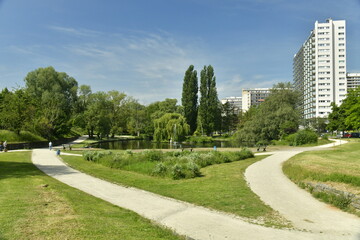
153	156
177	172
95	156
194	170
302	137
244	154
160	169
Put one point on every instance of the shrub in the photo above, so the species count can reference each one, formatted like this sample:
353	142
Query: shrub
153	156
177	172
325	136
194	170
302	137
244	154
160	169
341	201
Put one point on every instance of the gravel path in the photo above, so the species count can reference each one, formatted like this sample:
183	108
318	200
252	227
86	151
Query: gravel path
201	223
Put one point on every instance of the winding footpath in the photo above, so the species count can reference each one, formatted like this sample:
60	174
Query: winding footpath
265	178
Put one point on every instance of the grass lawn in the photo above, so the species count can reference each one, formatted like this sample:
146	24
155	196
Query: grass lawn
222	187
338	167
35	206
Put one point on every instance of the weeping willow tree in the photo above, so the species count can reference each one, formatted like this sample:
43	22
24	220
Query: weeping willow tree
171	126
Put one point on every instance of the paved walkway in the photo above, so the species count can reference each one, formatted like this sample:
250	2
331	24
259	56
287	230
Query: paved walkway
184	218
267	180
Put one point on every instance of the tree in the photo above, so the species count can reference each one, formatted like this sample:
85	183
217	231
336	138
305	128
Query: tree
117	101
189	97
171	126
137	120
209	114
97	115
277	117
347	115
229	118
351	105
55	96
15	110
158	109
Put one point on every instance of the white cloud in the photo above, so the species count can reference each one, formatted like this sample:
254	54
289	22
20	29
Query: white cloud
75	32
147	66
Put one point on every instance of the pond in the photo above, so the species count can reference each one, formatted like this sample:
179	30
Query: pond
146	144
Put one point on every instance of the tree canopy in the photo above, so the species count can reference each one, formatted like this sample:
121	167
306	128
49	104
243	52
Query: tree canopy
209	115
189	97
347	115
277	117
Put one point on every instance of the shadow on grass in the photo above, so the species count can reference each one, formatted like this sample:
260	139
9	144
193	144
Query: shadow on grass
18	170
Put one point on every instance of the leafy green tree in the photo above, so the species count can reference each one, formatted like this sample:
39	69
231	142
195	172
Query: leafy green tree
137	120
351	106
209	114
14	110
117	113
156	110
171	126
97	115
189	97
229	118
55	96
347	115
277	117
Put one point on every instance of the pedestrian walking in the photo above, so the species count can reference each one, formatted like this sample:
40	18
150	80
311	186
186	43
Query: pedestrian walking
5	146
50	145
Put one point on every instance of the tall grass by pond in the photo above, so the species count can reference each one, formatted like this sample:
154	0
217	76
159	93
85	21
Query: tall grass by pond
176	165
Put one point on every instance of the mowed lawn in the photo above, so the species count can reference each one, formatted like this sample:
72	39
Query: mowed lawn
338	167
35	206
221	187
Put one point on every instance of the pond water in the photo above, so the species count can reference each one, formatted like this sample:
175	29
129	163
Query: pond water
146	144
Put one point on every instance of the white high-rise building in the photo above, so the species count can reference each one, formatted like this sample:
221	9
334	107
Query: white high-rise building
319	68
353	80
253	97
236	102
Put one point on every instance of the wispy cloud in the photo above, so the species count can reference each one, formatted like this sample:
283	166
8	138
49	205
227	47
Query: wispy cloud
134	62
75	32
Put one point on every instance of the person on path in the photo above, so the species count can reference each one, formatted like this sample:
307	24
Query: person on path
5	146
50	145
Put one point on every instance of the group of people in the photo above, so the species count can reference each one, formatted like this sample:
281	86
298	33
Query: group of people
3	146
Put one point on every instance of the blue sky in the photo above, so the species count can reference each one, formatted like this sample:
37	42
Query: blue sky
143	47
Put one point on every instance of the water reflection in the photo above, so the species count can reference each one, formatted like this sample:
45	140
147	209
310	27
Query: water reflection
145	144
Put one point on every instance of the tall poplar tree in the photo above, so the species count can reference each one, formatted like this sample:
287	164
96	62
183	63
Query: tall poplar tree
209	115
189	97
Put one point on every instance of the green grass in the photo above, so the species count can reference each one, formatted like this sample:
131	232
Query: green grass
222	187
174	165
24	136
35	206
286	143
338	167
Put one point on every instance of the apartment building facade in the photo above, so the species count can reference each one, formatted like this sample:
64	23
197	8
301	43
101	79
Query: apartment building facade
236	102
353	80
319	68
253	97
